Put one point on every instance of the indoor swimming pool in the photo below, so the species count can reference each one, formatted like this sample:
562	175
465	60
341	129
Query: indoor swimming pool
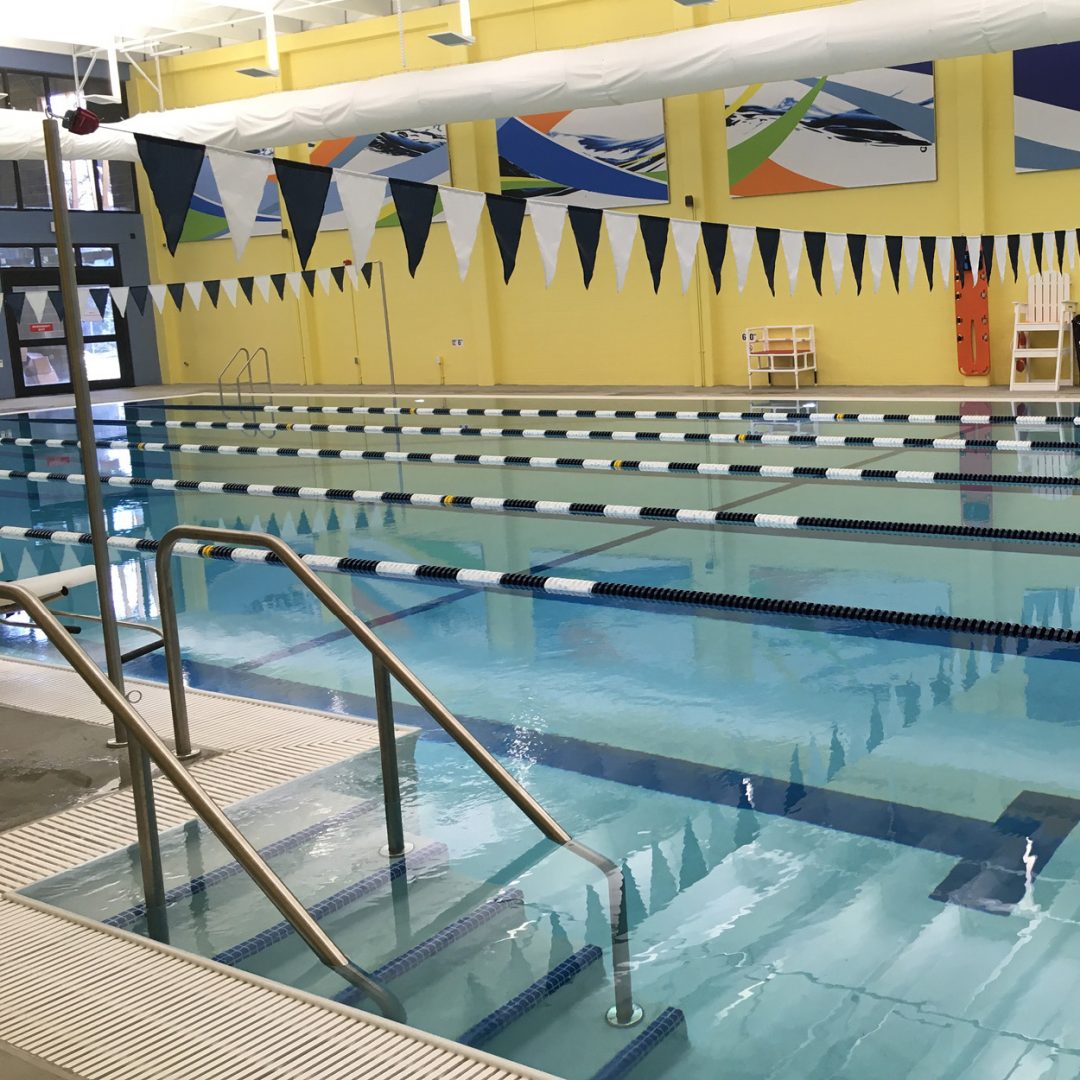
850	844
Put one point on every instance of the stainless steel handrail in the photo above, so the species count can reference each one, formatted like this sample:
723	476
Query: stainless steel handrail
242	351
200	801
385	663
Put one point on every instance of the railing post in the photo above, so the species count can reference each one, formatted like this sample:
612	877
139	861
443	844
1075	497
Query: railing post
396	845
174	668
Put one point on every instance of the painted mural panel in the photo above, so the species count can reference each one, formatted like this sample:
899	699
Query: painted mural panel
1046	107
605	157
861	129
206	219
420	154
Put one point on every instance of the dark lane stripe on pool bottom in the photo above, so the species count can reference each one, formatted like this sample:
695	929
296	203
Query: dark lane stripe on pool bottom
991	876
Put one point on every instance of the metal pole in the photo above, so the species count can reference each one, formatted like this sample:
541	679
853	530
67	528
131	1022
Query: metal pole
391	778
174	668
386	324
80	388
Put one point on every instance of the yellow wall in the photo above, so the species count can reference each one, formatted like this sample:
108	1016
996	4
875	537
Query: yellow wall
523	333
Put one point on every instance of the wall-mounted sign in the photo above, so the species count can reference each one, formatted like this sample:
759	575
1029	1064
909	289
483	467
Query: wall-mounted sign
41	328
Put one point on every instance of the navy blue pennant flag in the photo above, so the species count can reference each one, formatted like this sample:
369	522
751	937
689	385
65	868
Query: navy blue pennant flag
585	222
338	274
366	271
815	254
1014	253
213	289
714	237
172	168
101	299
247	287
1037	247
768	241
894	248
278	281
506	216
176	291
1059	242
928	246
960	258
56	298
415	203
16	301
654	235
856	245
140	294
987	263
308	277
303	190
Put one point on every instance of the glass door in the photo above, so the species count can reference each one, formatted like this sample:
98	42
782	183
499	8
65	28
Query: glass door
37	340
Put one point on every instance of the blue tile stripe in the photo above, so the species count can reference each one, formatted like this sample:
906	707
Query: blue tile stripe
881	442
510	900
332	904
631	1055
658	468
780	415
586	590
483	1031
672	516
129	916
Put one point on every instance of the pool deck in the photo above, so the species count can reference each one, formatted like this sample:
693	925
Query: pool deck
78	999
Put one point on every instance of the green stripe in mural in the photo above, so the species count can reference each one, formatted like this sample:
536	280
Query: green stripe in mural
749	154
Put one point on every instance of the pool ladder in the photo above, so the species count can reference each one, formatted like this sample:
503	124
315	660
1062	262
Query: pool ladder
245	374
385	663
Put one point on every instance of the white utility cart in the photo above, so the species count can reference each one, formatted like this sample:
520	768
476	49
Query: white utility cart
780	350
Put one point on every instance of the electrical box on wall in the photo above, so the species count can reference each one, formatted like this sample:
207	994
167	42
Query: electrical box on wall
457	342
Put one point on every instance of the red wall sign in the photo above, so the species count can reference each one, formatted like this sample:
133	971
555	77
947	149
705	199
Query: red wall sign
41	328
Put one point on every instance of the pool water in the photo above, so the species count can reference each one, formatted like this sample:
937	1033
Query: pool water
851	849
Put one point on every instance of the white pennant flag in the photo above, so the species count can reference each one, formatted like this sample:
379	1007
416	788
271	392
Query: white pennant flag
240	180
944	257
463	210
1001	254
1049	251
742	246
793	244
350	273
194	289
262	283
37	299
911	259
974	250
875	250
87	307
1025	251
1070	248
836	243
120	295
157	294
549	224
621	231
323	278
362	198
293	280
228	287
686	235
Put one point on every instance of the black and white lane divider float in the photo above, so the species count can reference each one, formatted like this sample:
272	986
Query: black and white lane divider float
770	415
670	515
750	438
580	589
628	465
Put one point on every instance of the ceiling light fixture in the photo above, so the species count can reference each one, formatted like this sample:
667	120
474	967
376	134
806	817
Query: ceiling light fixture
453	37
273	61
113	97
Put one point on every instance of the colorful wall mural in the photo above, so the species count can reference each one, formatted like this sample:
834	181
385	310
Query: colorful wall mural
1046	107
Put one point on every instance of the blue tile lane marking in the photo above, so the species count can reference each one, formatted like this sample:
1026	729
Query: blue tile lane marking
338	901
509	901
483	1031
129	916
976	842
631	1055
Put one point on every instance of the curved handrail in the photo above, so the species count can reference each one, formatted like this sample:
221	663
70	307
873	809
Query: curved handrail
200	801
625	1012
242	351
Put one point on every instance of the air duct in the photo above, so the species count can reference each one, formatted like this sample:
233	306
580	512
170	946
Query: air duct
819	41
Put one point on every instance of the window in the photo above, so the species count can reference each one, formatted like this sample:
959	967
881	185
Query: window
91	185
42	256
96	256
17	256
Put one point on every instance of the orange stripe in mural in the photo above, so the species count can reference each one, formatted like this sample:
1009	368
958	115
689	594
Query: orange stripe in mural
772	179
328	149
544	122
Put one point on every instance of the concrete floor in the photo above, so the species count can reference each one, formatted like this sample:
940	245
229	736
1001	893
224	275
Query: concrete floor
14	1065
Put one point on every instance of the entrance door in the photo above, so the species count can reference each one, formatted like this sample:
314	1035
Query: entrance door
39	345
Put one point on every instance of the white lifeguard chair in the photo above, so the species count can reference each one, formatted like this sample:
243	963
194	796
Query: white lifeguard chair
780	350
1048	314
